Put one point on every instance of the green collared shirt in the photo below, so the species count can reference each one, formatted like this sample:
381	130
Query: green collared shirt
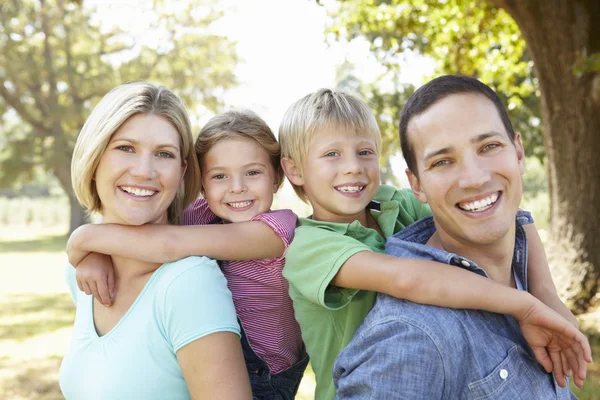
329	315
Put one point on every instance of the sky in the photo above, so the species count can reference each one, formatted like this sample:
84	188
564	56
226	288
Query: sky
283	54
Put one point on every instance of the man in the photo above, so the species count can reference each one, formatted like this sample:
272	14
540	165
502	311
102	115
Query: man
465	160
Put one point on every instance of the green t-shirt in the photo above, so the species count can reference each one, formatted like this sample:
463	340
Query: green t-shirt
329	315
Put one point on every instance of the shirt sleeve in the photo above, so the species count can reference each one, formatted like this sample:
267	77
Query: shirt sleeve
197	303
283	223
313	260
411	208
198	213
390	360
71	280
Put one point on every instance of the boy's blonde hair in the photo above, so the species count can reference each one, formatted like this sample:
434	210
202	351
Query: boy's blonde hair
116	107
240	124
316	111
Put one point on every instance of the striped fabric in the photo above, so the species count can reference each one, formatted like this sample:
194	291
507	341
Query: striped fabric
260	292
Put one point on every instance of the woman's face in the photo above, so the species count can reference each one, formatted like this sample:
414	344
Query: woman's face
140	171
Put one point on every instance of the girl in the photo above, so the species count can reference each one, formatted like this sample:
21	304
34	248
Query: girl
239	157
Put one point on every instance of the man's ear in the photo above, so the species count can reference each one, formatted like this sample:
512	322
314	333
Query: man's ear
292	171
520	153
415	185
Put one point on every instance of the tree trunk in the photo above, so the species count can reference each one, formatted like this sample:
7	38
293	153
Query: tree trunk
560	34
79	215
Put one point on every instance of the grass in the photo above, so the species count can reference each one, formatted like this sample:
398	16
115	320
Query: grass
48	243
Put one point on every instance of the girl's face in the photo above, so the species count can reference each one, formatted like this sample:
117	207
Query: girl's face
238	179
140	171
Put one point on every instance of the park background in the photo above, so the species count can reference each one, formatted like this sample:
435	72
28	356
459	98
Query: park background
59	57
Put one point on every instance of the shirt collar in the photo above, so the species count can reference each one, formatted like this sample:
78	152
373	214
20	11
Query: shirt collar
411	243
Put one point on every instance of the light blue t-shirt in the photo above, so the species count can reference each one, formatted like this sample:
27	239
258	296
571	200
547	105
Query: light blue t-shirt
181	302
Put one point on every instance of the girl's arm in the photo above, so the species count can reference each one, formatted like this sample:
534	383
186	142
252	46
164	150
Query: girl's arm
540	280
213	367
251	240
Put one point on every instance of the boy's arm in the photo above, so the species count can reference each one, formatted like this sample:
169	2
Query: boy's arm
540	279
428	282
165	243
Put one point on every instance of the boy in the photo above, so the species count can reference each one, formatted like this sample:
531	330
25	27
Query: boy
330	145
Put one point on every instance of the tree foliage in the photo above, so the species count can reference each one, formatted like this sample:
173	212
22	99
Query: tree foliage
58	59
466	37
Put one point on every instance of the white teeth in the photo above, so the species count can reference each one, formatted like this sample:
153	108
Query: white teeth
138	192
350	189
240	204
479	205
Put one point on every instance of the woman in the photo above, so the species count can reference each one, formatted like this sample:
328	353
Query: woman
171	334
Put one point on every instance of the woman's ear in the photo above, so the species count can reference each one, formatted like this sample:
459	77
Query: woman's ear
183	168
292	171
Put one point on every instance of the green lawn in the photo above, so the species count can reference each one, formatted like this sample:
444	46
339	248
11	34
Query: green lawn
36	314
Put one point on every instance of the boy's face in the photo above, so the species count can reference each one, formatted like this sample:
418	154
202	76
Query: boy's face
340	174
469	170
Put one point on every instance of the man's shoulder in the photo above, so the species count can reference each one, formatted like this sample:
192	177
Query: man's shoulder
432	319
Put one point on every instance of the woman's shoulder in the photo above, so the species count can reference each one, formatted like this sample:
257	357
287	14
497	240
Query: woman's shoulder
195	267
192	300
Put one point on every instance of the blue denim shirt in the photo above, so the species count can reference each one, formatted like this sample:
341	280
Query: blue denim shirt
405	350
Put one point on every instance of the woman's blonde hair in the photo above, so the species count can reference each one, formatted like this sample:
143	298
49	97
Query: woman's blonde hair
116	107
240	124
318	110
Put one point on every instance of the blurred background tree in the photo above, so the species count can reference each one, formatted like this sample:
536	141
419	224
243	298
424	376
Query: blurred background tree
543	58
58	60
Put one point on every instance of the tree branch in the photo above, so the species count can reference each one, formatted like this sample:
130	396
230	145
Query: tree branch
22	110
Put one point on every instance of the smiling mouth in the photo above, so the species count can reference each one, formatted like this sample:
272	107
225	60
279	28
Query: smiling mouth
240	204
480	205
138	192
349	188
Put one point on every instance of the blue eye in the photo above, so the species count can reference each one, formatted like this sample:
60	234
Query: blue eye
490	146
440	163
125	148
253	173
366	152
165	154
219	176
331	154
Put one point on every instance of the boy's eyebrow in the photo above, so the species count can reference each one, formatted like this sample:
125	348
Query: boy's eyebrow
339	143
474	140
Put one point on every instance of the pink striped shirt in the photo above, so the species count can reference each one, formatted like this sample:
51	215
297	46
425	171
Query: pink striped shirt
260	292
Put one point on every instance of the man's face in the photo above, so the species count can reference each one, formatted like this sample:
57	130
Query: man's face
469	171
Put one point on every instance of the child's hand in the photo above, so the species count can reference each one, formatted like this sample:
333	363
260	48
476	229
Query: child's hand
558	346
96	276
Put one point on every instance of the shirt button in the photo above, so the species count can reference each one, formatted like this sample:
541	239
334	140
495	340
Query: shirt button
467	264
503	374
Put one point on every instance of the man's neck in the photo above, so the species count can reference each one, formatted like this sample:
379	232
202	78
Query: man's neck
494	258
